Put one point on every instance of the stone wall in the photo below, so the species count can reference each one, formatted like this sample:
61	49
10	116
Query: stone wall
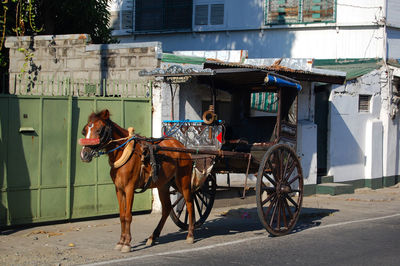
35	60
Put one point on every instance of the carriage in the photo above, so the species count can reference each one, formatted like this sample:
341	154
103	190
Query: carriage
252	142
191	154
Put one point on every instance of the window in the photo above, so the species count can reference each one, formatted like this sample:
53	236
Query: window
121	16
209	13
299	11
162	15
363	103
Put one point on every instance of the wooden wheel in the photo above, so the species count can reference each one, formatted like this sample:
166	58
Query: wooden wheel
203	200
279	190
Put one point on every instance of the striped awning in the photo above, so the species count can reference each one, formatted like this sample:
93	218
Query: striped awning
264	101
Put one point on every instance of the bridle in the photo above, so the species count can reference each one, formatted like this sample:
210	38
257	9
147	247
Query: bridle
105	139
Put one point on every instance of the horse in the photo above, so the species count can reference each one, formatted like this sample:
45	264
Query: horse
133	167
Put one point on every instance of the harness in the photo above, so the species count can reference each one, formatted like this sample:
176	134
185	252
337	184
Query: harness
148	157
149	148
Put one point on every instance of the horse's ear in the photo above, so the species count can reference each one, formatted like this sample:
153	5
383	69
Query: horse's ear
91	117
105	114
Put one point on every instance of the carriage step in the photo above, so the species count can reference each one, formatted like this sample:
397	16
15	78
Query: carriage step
324	179
335	189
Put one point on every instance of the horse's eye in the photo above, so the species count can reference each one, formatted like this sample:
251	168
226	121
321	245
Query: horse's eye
84	131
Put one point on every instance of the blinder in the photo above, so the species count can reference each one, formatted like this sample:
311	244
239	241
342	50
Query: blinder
100	143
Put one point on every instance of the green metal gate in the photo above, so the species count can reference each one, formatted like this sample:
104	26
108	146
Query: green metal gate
41	175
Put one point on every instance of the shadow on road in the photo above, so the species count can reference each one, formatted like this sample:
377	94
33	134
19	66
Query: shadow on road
240	220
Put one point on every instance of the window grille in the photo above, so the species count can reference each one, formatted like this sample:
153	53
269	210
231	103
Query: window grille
207	13
299	11
161	15
363	103
217	14
201	15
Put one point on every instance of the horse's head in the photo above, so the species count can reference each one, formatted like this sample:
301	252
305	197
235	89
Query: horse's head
97	134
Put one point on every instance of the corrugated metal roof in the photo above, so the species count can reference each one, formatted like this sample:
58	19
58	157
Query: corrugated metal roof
354	67
182	59
307	74
244	78
302	75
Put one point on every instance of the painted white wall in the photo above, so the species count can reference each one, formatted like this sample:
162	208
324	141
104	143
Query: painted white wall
347	141
307	150
355	34
393	11
326	43
156	132
393	45
240	15
306	102
391	130
359	12
373	149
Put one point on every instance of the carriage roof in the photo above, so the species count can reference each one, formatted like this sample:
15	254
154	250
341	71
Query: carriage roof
231	78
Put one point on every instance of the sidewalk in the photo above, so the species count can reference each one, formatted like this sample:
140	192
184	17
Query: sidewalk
90	241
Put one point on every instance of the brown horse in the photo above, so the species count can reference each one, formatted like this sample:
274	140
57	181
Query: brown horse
134	170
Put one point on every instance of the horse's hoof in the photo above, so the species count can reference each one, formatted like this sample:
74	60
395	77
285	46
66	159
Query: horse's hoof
126	249
118	247
149	242
190	240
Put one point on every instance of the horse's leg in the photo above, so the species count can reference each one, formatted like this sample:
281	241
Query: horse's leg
121	204
187	194
129	194
163	193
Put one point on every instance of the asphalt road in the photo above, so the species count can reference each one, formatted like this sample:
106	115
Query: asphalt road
354	229
371	241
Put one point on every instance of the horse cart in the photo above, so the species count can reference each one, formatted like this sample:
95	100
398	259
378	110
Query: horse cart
251	142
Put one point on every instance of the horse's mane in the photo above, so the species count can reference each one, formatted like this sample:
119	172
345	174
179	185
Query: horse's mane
119	130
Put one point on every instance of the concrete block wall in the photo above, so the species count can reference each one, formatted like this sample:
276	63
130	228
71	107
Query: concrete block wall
47	57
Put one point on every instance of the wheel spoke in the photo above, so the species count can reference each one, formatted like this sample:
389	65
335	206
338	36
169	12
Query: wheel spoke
273	212
268	189
270	180
201	198
291	169
292	201
284	213
179	211
276	168
199	209
264	187
286	164
267	199
271	205
288	208
278	225
177	201
293	179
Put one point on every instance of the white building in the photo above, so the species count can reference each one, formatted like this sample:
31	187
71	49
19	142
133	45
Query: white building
359	129
326	29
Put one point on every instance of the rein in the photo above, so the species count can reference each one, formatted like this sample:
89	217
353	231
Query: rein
120	146
169	133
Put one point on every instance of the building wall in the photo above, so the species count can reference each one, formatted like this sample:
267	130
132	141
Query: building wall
393	11
391	132
350	142
355	34
393	43
276	43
